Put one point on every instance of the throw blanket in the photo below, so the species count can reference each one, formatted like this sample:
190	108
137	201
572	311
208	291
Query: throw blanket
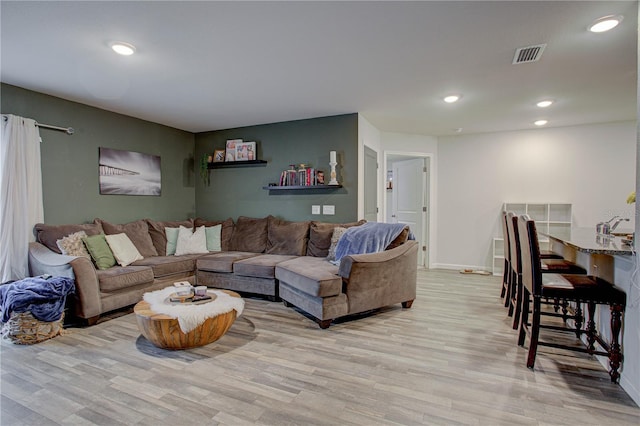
44	298
190	316
370	237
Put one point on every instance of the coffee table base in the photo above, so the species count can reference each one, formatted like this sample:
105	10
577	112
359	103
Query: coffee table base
164	331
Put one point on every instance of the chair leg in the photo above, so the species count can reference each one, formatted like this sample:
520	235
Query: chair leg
507	296
535	332
505	277
524	318
591	327
579	318
615	355
518	303
565	310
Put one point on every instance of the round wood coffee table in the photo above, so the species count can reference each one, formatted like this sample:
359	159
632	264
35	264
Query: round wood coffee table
164	331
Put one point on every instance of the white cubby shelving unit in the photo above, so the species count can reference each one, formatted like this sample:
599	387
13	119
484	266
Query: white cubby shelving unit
549	217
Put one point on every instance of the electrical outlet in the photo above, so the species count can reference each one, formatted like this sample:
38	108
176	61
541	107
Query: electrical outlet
315	209
328	210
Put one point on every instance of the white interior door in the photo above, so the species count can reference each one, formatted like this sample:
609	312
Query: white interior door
408	205
370	185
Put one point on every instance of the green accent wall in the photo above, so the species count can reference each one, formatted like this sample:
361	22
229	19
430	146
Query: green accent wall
70	163
233	192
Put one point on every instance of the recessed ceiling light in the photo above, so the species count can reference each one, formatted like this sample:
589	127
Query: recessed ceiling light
121	48
605	23
452	98
545	103
540	122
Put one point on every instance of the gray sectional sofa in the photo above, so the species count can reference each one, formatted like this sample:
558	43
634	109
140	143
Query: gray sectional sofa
264	256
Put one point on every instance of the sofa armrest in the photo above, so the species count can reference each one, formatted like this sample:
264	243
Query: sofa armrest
380	279
87	295
44	261
378	259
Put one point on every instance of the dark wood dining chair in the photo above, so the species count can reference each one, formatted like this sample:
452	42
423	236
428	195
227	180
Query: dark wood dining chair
579	289
505	293
548	264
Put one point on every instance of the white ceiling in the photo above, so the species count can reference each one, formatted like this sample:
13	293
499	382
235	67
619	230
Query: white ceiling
213	65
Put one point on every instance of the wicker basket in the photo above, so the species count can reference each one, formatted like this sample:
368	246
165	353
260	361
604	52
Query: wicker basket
24	329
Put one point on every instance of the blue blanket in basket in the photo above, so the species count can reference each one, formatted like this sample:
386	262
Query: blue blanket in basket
44	298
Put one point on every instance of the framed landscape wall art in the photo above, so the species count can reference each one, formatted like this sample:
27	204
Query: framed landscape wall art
129	173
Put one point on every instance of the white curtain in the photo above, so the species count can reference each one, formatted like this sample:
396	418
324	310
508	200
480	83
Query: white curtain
20	194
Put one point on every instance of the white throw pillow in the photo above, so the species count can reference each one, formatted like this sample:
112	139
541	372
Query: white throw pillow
123	249
191	243
213	237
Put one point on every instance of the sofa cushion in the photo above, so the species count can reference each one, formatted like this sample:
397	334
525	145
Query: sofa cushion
320	236
262	266
222	261
100	251
312	275
225	234
191	242
164	266
138	233
337	233
123	249
250	234
213	234
158	234
72	245
49	234
172	241
123	277
289	238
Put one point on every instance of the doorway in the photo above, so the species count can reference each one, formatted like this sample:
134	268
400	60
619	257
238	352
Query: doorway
407	197
370	185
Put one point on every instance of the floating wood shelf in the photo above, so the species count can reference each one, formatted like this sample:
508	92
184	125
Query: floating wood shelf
299	187
232	164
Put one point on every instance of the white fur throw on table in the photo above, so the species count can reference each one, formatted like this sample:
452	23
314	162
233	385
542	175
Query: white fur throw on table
190	316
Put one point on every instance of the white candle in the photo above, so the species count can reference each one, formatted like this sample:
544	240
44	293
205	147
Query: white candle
332	157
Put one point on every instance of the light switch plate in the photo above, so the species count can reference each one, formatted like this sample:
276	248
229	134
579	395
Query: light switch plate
328	210
315	209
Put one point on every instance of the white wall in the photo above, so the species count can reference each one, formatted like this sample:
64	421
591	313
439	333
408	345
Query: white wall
592	167
369	136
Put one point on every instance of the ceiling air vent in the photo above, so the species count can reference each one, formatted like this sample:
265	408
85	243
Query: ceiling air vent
528	54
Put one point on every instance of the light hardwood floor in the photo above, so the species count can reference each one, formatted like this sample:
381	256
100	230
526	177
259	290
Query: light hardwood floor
450	359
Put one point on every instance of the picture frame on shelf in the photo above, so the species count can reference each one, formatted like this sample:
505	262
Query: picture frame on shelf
230	153
245	151
218	155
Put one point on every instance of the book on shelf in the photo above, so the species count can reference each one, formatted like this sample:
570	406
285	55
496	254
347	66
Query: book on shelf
302	177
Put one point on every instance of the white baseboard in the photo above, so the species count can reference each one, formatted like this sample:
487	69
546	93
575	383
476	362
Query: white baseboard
455	267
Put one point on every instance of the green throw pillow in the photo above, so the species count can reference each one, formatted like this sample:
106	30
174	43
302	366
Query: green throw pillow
172	240
100	251
213	237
